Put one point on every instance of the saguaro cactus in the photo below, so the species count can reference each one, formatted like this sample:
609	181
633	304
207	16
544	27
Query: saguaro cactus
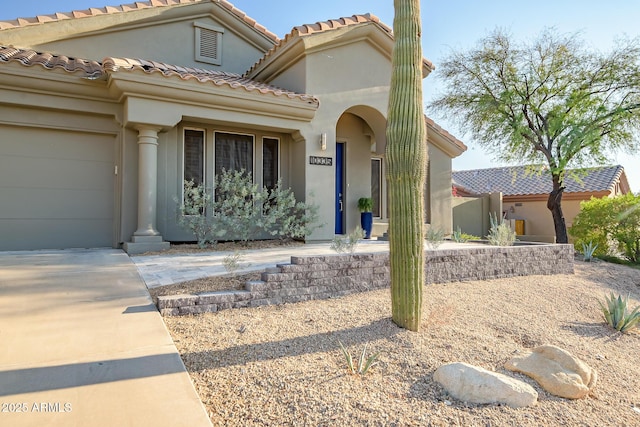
406	154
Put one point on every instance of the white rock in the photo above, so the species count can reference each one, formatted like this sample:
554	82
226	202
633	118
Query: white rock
473	384
556	370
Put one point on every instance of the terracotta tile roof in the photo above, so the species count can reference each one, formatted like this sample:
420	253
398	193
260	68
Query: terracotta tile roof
29	58
109	10
455	141
323	26
94	70
219	78
518	180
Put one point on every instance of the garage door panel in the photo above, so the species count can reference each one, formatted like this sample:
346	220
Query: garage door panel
36	203
56	188
27	172
53	144
20	235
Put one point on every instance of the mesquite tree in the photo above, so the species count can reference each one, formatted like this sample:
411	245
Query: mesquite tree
551	102
406	154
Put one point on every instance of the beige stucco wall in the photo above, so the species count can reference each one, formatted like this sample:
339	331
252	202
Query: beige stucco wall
440	190
538	219
471	215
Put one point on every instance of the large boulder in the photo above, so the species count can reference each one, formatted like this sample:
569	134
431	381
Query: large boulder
473	384
556	370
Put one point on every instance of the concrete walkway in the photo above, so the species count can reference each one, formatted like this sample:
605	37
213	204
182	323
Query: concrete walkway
161	270
82	345
167	269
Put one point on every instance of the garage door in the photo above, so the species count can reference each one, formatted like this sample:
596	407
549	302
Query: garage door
56	189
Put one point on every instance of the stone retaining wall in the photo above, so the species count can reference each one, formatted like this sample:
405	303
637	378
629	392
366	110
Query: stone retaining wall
329	276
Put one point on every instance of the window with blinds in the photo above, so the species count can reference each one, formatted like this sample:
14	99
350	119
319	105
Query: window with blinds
233	152
194	156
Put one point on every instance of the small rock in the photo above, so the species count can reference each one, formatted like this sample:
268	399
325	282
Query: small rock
556	370
473	384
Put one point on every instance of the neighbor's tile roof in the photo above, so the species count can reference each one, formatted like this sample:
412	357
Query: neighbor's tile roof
518	180
93	70
323	26
108	10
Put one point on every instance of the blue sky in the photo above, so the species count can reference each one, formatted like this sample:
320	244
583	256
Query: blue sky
447	24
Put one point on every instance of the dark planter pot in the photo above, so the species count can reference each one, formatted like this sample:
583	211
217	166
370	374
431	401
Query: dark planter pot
366	222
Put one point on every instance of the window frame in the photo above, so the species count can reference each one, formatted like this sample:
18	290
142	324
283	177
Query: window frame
204	157
380	183
278	158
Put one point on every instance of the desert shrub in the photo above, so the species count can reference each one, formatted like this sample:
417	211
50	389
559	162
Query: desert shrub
193	217
500	234
244	211
349	243
434	237
611	223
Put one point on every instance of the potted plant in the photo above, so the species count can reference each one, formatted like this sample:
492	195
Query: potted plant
365	204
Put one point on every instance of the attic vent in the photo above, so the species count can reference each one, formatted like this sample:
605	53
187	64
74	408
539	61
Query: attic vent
208	44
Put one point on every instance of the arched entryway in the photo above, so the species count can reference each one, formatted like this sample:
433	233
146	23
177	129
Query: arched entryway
359	168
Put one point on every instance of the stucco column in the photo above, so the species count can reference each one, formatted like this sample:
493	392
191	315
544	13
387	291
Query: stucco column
146	237
147	181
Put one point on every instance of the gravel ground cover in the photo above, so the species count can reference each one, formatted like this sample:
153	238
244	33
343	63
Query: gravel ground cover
282	365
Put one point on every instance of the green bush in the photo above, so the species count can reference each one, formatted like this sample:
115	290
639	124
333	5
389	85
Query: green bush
349	243
243	211
611	223
434	237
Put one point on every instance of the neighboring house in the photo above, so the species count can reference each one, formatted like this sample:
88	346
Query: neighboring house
525	193
104	112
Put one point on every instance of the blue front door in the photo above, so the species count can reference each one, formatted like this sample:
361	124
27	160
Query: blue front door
339	188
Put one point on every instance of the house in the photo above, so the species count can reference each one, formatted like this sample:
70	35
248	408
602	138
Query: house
104	112
524	192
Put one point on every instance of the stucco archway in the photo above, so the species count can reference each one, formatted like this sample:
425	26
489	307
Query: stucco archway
360	131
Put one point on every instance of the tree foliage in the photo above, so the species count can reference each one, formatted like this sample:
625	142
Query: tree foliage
613	223
552	101
406	154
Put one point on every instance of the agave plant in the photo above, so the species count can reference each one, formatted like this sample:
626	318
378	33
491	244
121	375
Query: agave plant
458	236
588	250
364	363
616	314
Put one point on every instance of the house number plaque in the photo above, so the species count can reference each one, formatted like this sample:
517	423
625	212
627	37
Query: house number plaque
322	161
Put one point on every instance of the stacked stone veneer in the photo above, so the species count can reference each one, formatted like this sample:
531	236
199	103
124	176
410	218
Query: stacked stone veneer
321	277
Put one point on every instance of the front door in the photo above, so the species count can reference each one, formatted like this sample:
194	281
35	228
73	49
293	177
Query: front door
339	188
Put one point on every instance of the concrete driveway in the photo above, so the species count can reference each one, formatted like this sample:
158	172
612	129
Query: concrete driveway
82	345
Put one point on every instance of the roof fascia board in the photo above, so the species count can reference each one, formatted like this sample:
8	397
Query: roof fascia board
136	83
435	137
38	86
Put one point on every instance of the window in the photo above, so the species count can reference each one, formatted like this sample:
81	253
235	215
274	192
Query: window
194	156
376	185
233	152
208	42
270	162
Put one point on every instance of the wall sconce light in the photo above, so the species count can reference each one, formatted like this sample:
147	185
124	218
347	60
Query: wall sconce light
512	209
323	141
